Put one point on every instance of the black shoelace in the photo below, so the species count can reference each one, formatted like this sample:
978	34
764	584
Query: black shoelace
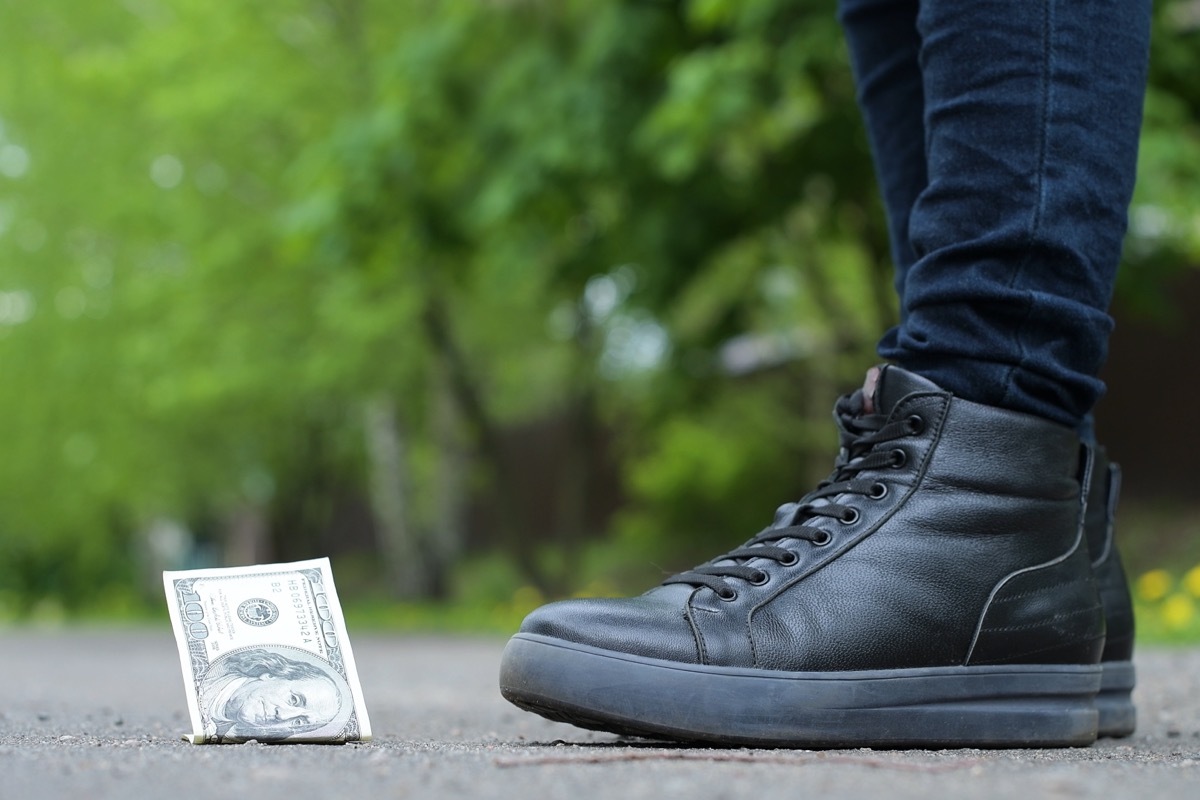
860	434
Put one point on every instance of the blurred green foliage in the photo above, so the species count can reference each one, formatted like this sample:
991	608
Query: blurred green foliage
258	260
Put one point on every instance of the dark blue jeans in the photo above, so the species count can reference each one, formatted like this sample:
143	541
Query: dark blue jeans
1005	139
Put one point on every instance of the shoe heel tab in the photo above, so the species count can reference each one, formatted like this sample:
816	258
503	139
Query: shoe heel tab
1114	492
1087	466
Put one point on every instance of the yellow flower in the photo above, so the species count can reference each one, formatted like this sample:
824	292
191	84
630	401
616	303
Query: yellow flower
1178	611
1153	585
1191	580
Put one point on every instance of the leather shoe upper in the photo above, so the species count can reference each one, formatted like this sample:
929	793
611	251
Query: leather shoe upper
949	533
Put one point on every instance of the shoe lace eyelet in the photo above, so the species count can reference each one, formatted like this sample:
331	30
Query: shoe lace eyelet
899	458
790	560
878	491
825	538
760	578
727	594
916	424
849	516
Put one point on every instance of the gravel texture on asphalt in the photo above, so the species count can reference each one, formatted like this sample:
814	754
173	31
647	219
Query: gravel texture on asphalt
98	713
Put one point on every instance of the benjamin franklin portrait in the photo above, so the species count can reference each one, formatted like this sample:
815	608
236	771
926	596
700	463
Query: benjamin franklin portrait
273	694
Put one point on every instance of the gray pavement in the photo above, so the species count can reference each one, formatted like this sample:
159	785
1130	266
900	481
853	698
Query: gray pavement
97	713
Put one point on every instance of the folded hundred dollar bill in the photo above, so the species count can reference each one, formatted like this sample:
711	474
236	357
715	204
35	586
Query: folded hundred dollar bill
265	654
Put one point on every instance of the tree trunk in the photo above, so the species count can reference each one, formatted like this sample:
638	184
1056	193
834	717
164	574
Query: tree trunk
247	537
390	490
468	400
450	489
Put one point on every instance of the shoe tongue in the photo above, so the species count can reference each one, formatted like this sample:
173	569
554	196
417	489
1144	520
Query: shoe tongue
784	515
884	387
888	385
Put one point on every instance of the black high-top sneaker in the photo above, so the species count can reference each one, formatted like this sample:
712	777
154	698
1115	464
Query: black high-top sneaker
934	591
1115	701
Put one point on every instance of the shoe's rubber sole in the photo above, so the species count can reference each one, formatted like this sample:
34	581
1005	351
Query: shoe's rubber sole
1118	717
988	706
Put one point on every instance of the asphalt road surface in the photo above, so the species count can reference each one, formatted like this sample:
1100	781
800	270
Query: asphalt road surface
98	713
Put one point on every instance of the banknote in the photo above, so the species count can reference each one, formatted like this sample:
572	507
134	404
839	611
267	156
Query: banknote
265	654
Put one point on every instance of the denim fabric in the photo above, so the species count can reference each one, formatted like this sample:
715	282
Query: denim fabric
1005	139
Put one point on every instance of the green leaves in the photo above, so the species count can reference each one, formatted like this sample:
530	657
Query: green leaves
227	230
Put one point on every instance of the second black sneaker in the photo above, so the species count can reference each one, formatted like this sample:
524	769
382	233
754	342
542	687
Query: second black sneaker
1115	701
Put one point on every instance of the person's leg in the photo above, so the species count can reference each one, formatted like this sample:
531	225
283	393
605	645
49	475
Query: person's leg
885	41
888	606
1031	118
885	49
